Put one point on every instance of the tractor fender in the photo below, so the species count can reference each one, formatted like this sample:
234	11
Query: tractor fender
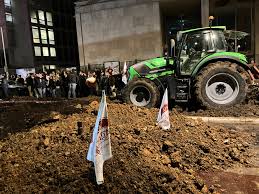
209	60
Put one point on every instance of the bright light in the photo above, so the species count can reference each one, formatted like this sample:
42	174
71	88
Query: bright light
213	36
207	37
7	3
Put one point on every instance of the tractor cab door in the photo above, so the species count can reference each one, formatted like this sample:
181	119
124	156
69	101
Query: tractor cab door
195	46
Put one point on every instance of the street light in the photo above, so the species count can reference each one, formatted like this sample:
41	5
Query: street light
5	60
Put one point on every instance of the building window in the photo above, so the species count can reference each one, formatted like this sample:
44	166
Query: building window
44	17
49	19
8	17
35	34
52	52
37	51
34	17
41	17
7	3
52	67
51	37
49	67
45	51
43	33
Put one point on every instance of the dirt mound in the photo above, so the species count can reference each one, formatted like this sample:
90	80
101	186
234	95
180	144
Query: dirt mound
253	94
51	157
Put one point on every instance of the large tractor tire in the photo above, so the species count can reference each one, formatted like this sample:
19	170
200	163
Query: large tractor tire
221	84
142	93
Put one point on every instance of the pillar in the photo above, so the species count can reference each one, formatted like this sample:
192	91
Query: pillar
256	27
205	12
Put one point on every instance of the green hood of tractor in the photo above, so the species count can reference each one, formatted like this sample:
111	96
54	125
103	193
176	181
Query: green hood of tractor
151	69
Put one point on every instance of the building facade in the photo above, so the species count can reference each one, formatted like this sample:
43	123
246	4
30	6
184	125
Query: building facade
128	30
38	34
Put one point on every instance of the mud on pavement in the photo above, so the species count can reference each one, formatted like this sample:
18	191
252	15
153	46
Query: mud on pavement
50	158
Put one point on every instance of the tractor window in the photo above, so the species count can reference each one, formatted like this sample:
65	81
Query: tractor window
195	47
219	40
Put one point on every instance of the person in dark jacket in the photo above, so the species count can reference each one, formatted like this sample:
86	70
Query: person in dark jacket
35	86
29	83
58	85
111	81
64	84
73	79
5	86
82	85
20	80
104	82
41	84
52	86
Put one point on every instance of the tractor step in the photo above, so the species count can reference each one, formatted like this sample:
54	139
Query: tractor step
182	90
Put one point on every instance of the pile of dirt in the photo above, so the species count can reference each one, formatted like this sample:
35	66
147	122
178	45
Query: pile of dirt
253	94
51	157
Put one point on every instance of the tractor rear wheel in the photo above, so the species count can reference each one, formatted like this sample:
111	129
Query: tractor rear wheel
221	84
141	92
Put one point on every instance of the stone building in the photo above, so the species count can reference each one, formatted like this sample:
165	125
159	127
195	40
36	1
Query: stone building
38	34
126	30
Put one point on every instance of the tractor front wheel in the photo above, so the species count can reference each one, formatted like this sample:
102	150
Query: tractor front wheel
142	93
221	84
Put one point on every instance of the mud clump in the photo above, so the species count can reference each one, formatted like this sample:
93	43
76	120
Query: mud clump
52	157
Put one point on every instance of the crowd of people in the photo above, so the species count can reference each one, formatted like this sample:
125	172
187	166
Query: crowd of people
65	84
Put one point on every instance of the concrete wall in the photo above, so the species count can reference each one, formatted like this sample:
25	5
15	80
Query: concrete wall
256	31
118	30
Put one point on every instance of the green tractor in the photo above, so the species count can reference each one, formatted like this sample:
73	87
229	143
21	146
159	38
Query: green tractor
200	68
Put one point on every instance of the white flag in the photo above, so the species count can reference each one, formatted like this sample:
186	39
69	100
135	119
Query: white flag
100	146
163	117
124	74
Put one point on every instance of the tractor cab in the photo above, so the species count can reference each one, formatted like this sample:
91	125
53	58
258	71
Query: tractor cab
194	45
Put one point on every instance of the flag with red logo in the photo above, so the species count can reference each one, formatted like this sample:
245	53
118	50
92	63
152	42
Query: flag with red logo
163	117
100	146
